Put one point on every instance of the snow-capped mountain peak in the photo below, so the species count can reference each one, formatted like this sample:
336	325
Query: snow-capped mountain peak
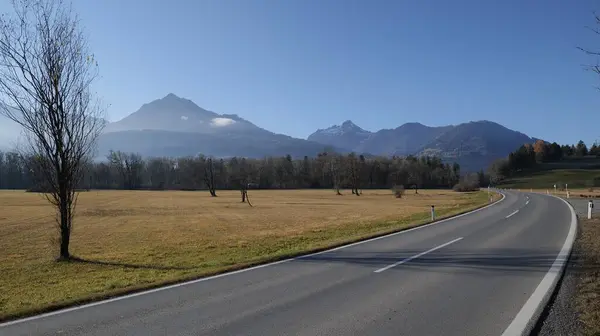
346	135
346	127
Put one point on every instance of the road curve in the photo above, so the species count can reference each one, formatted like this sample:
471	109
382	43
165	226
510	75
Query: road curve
478	274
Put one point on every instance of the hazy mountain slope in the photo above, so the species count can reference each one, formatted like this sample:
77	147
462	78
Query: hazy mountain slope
174	126
475	145
481	137
176	114
172	144
403	140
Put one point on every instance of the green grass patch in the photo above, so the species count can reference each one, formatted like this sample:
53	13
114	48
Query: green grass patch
575	178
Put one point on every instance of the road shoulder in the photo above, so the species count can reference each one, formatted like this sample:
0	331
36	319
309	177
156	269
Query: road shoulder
561	316
588	290
575	308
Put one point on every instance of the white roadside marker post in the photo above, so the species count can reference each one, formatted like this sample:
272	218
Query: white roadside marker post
590	207
432	212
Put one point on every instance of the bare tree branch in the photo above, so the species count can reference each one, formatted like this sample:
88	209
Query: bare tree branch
596	66
46	70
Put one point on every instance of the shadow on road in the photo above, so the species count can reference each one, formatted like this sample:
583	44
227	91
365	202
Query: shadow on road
498	260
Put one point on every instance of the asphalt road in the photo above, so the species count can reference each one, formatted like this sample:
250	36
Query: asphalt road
470	275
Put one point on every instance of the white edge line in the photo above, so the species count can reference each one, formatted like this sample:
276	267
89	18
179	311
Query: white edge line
512	214
417	255
150	291
520	323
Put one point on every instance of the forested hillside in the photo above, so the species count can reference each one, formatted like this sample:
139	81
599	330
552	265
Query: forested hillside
544	164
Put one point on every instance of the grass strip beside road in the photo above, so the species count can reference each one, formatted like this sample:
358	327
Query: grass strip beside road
127	245
573	193
588	290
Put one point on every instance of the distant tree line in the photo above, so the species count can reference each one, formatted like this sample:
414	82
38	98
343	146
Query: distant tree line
327	170
531	156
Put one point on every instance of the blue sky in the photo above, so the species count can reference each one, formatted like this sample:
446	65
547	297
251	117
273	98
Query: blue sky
294	66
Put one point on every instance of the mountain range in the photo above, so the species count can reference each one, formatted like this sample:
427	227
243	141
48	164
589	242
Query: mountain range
174	126
474	145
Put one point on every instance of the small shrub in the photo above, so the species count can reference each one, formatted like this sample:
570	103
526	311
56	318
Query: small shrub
462	187
467	183
398	191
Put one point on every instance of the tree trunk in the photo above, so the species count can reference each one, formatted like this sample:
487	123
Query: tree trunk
243	196
337	190
247	198
65	224
65	237
210	179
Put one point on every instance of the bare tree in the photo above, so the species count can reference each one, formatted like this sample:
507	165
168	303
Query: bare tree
244	192
209	174
160	173
595	67
46	70
129	166
354	173
240	172
415	178
334	168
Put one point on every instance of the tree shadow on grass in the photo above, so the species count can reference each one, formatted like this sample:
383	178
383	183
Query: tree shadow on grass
128	265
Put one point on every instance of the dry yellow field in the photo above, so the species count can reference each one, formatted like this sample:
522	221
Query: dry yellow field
138	239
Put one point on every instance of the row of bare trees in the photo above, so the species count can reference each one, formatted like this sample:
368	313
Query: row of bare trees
327	170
